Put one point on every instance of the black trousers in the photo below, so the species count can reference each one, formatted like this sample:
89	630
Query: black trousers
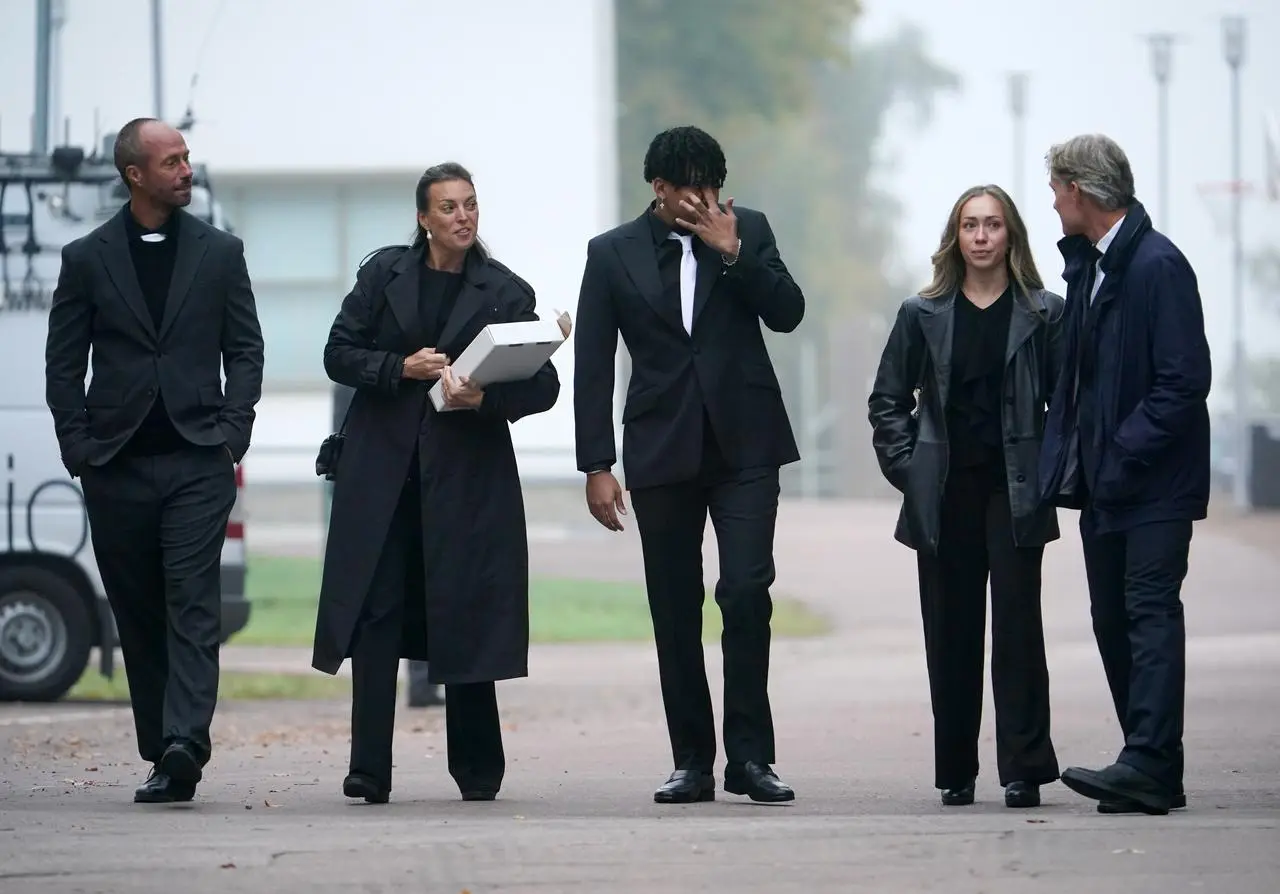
743	506
472	727
1135	595
158	525
976	542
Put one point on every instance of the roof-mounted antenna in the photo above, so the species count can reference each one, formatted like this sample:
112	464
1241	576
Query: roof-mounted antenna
188	119
189	116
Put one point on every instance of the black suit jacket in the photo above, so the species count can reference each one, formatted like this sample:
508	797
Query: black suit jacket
722	367
210	324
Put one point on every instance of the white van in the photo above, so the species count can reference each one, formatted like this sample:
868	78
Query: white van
52	607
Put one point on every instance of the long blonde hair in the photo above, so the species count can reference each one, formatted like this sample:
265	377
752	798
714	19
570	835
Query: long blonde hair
948	262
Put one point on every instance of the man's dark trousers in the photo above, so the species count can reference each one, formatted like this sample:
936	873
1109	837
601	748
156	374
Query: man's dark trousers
158	524
743	506
1135	585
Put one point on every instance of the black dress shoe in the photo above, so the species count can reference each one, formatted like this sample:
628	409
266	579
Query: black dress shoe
1178	802
758	782
1120	783
179	763
1021	794
358	785
479	794
686	787
958	797
160	789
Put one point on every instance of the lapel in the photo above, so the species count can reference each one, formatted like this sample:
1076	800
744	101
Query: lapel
640	261
709	268
119	265
937	322
1024	319
401	293
191	249
471	300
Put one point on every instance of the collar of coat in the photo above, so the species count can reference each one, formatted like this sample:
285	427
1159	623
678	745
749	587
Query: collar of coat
475	266
1032	301
1077	250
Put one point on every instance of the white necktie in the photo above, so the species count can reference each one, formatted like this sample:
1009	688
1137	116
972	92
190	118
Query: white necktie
688	280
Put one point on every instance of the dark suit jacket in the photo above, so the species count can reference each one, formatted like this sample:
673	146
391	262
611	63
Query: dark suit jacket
210	324
723	366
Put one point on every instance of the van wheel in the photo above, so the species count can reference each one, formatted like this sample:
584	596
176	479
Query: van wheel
46	631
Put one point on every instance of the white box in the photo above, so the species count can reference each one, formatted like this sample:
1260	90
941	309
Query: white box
505	352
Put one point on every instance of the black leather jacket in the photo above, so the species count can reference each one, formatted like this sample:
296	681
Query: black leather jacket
907	410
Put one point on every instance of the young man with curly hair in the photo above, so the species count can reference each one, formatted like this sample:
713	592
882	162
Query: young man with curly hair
687	285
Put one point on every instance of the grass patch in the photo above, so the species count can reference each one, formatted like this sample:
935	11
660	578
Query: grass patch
232	686
283	592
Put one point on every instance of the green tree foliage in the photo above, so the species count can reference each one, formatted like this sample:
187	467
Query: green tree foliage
721	64
799	106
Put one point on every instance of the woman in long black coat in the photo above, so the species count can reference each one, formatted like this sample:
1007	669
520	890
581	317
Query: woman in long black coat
427	556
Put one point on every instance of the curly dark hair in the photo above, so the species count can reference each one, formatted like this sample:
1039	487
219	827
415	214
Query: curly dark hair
685	156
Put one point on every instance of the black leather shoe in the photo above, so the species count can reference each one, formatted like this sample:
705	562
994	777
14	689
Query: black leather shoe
160	789
1021	794
1178	802
479	794
686	787
179	763
1120	783
358	785
758	782
958	797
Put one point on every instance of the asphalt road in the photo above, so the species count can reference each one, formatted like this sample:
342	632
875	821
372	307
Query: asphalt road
586	746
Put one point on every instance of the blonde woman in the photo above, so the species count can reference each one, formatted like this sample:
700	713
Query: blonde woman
957	412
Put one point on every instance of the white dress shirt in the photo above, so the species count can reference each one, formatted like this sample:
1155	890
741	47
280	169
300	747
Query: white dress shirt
1102	245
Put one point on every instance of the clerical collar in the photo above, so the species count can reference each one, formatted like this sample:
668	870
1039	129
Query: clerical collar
167	231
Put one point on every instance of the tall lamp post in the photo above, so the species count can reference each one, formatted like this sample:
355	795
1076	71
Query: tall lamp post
1018	110
1233	40
1161	67
44	65
157	60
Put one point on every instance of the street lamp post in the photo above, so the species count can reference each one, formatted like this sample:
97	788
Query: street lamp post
44	61
157	60
1161	67
1233	43
1018	110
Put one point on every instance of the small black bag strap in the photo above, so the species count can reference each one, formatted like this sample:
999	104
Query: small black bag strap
379	307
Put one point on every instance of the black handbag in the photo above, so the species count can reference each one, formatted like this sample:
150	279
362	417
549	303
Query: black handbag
330	453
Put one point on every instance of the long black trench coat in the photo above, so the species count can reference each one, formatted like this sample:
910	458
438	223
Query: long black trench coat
475	548
907	409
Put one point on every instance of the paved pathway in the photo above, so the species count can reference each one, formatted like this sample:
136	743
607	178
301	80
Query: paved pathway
586	746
